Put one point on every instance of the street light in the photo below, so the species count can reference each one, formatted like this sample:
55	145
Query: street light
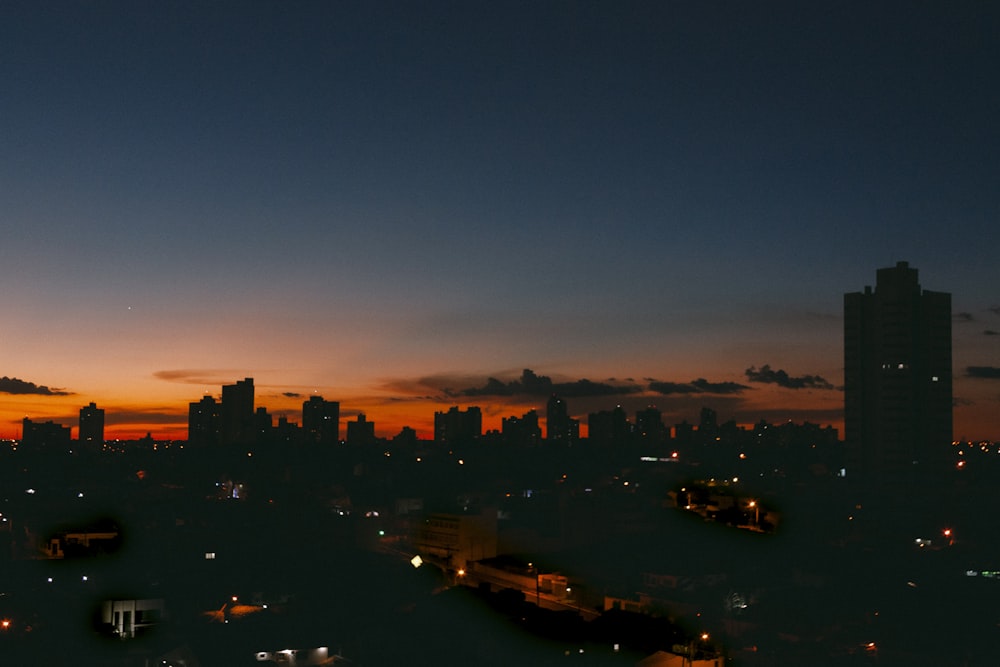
534	570
690	656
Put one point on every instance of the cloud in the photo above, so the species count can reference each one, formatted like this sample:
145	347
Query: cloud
16	386
995	310
530	384
991	332
985	372
197	376
699	386
766	375
962	317
291	394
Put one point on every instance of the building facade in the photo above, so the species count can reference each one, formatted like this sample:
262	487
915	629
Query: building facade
897	385
237	412
203	422
44	436
91	424
559	426
361	432
458	426
321	420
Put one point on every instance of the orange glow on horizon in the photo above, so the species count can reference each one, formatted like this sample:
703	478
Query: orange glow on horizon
164	416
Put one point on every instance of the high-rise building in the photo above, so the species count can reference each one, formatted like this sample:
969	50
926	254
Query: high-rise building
361	432
263	426
42	436
649	426
708	425
521	431
321	420
91	424
609	427
559	426
203	422
897	385
237	413
456	426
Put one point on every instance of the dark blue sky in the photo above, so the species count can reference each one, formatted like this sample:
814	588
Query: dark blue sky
354	197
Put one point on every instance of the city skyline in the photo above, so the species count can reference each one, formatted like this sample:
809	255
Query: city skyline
389	206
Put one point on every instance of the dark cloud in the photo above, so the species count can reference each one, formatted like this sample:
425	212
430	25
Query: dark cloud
986	372
991	332
197	376
995	310
16	386
668	388
766	375
530	384
699	386
962	317
291	394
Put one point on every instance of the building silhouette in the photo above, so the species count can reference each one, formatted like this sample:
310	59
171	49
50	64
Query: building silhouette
609	427
321	420
91	424
649	427
42	436
203	422
559	426
361	432
521	431
263	425
456	426
897	387
708	425
237	413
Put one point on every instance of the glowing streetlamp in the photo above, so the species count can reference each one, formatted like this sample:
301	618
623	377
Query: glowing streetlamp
756	512
538	594
690	656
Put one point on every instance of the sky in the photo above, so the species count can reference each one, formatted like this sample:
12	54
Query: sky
388	204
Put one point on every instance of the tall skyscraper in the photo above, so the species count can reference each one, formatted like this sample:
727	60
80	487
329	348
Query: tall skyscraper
609	427
521	431
456	426
237	413
321	420
203	422
91	424
559	426
897	385
649	426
